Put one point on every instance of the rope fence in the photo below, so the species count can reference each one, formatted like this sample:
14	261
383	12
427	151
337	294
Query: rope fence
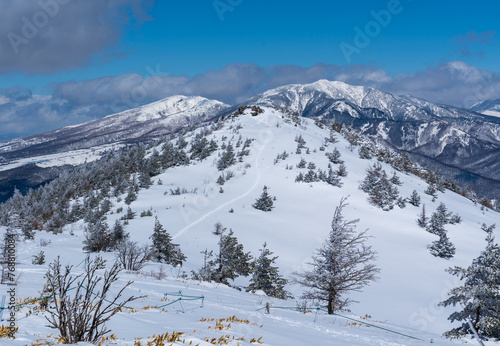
176	294
182	297
339	315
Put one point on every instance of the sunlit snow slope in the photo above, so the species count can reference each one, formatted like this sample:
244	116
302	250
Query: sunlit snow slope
412	282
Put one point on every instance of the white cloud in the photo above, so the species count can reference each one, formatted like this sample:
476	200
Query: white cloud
47	36
455	83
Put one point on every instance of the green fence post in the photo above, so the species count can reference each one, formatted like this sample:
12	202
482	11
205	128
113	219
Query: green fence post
316	316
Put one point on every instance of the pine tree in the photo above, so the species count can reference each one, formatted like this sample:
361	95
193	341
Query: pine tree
431	190
333	178
227	158
332	138
438	220
300	141
479	295
231	261
401	202
266	277
381	191
395	179
443	214
311	165
163	249
264	202
299	178
342	265
435	225
310	176
334	156
130	214
422	218
342	170
414	199
302	163
98	237
131	195
119	232
365	152
144	180
443	247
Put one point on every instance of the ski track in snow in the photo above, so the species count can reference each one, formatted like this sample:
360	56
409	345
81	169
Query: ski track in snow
257	181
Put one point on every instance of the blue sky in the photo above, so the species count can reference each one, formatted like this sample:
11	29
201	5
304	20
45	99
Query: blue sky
81	56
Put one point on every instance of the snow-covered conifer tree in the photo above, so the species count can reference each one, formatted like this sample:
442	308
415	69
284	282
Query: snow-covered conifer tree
443	247
414	199
266	277
478	298
343	264
231	261
264	202
334	156
422	218
365	152
163	249
98	237
227	158
431	190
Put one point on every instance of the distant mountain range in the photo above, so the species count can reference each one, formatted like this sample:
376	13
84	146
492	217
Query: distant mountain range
458	143
489	107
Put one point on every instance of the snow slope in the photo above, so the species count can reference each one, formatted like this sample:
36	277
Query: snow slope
412	282
149	121
492	113
458	143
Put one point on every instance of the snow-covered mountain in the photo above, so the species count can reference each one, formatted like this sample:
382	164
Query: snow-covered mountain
488	107
458	143
142	123
190	198
38	158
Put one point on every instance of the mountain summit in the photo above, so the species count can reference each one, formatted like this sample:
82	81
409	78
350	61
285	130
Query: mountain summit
458	143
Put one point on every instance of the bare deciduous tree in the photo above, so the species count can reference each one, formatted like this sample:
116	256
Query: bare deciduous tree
132	256
80	305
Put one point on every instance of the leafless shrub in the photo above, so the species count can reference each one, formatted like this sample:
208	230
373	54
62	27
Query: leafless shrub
44	243
160	275
81	304
132	256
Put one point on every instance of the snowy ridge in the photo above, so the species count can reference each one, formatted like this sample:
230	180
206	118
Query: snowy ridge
458	143
488	107
412	281
73	145
298	97
165	115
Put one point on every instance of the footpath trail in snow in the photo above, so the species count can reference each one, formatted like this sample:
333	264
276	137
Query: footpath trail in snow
252	188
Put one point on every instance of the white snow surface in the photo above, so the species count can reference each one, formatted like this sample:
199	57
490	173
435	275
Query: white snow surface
405	298
492	113
73	157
